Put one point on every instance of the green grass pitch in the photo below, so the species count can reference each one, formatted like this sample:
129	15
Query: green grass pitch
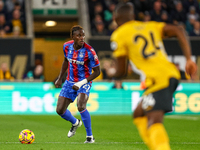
111	133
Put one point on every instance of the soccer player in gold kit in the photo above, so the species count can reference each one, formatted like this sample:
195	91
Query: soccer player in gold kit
141	43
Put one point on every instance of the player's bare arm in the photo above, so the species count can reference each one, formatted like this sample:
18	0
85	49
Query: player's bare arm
121	66
174	31
58	82
96	73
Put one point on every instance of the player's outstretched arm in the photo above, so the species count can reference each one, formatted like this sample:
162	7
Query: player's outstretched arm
96	73
179	33
58	82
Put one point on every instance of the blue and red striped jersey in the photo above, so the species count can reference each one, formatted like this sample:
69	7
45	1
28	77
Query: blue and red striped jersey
80	62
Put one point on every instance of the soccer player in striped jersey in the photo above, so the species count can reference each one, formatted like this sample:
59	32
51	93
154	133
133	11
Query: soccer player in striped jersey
141	43
80	59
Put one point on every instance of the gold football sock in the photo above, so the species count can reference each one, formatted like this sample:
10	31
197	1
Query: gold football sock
141	124
158	137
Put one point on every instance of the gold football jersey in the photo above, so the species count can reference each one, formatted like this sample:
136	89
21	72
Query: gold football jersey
142	43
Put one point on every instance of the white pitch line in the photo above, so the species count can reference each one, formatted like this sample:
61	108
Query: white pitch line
182	117
184	143
76	142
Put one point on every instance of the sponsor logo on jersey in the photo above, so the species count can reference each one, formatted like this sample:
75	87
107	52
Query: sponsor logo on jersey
75	61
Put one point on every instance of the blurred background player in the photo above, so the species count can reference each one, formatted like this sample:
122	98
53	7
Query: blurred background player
80	59
142	44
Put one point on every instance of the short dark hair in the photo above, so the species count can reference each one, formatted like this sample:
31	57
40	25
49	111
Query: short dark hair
124	7
75	28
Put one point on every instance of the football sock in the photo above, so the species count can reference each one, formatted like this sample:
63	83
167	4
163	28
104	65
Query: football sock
85	116
69	117
141	124
158	137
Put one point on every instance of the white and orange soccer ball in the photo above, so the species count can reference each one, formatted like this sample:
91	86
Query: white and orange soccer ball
26	136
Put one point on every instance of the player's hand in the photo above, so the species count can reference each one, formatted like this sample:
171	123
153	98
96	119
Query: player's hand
191	68
75	87
58	83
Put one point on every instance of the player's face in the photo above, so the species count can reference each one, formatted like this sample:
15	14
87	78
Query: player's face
79	37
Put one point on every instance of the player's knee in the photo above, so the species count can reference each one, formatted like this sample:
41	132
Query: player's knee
155	117
81	107
59	111
153	121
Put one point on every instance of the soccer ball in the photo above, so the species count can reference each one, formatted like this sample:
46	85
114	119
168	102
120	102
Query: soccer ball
26	136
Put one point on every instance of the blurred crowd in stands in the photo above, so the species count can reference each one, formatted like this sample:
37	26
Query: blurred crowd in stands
5	73
184	13
34	73
12	18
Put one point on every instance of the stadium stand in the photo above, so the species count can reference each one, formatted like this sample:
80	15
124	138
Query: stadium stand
184	13
12	18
